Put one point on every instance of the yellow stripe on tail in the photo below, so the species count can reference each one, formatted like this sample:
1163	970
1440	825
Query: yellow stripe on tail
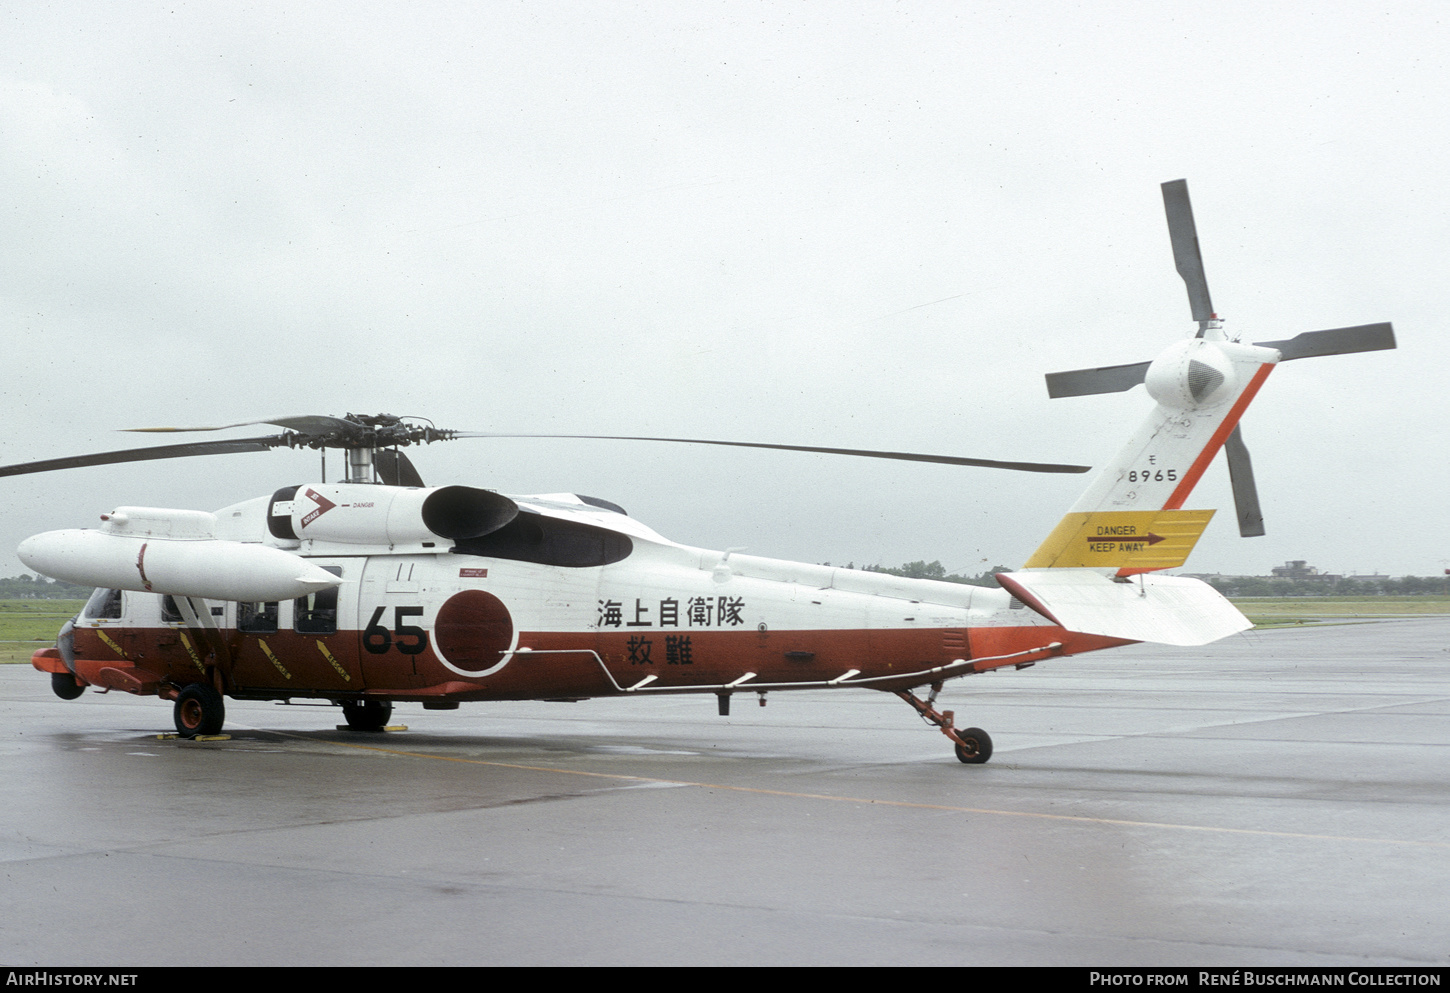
1140	540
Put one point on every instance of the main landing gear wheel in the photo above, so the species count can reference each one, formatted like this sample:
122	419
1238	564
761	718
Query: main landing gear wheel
367	715
65	685
199	710
978	747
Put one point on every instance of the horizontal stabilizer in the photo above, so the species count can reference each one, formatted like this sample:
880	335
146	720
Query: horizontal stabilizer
1167	610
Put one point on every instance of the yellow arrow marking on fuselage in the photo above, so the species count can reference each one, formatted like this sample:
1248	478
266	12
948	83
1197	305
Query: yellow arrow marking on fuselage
273	659
191	651
335	664
114	647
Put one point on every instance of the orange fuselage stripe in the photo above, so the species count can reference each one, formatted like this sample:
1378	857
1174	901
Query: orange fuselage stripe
1200	464
1195	471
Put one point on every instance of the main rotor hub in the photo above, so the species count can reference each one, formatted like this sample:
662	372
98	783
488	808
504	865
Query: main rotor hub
362	436
360	431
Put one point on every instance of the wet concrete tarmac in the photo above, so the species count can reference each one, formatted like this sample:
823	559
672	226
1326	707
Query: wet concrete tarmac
1279	798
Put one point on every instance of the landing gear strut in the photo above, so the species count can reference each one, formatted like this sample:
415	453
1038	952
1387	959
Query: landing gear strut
973	745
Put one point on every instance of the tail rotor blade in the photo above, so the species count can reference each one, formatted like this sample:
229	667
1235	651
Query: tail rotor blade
1105	379
1335	341
1186	256
1246	494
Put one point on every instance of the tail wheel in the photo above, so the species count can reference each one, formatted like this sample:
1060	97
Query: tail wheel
977	748
65	685
367	715
199	710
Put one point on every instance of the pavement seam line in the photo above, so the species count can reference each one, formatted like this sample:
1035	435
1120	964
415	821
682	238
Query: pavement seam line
890	803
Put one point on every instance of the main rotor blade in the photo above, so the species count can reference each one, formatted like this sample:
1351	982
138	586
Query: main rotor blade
306	423
1104	379
1246	494
865	453
395	469
1335	341
1186	255
147	454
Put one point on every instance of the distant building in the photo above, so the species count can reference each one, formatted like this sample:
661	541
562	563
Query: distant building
1300	569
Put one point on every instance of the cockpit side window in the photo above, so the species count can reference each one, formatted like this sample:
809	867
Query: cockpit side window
316	613
103	605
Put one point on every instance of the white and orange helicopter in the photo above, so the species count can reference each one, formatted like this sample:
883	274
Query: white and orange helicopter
381	590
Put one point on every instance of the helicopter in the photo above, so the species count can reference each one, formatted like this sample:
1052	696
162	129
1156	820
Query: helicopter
379	589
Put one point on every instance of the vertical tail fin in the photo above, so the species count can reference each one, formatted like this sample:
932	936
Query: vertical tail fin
1131	517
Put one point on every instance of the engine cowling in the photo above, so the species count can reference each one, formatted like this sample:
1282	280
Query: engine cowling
359	514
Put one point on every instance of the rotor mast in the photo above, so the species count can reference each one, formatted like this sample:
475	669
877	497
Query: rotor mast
360	465
365	437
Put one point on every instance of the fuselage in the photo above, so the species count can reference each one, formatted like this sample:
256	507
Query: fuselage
570	600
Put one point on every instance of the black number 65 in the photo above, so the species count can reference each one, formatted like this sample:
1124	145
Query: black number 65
377	639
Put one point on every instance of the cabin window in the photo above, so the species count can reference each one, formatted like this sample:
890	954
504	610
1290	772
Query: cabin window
550	541
104	605
316	613
170	612
257	618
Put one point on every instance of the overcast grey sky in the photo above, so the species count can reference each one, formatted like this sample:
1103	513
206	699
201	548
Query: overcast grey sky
870	225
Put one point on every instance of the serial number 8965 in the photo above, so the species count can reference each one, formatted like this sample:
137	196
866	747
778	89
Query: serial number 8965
1152	475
